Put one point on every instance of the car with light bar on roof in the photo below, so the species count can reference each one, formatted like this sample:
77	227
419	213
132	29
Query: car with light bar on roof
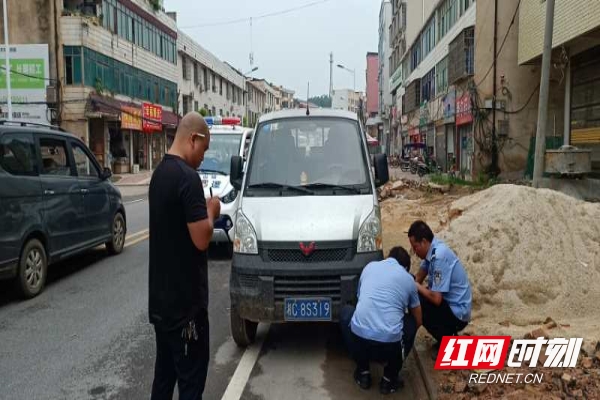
227	138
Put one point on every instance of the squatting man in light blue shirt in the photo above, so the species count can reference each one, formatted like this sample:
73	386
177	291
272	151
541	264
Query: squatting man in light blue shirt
384	323
446	301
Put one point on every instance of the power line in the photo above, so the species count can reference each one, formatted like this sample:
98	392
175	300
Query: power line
512	22
247	19
28	76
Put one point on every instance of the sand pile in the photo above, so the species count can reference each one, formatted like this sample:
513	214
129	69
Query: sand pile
529	254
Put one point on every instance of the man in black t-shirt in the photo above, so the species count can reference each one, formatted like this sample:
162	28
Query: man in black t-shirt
181	227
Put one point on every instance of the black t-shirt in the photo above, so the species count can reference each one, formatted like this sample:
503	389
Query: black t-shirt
178	270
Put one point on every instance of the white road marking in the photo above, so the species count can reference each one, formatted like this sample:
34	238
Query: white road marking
134	201
240	377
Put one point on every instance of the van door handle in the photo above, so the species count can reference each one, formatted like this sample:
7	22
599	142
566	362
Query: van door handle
48	192
84	191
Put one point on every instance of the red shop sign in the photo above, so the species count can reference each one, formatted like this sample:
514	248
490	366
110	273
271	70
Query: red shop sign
152	117
464	114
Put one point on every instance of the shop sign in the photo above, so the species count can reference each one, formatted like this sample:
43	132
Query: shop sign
29	80
152	115
131	118
450	106
464	113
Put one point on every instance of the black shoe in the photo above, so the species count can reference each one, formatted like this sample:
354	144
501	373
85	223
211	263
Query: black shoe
388	386
362	379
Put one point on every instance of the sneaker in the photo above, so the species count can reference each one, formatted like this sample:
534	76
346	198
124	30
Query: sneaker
388	386
362	379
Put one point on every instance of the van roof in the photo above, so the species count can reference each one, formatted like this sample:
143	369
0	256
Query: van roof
314	112
228	130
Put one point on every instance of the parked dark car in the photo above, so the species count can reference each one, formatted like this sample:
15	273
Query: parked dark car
55	201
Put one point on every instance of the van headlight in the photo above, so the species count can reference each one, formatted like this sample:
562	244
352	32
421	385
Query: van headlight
229	197
369	234
244	240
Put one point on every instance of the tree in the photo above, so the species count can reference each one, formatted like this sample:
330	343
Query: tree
323	101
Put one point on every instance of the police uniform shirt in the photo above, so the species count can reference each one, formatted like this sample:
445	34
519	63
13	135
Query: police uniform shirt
447	276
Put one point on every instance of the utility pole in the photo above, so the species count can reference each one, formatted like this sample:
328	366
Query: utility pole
494	167
330	78
540	137
7	64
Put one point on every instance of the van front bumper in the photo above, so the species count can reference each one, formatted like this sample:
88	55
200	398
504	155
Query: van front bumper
258	288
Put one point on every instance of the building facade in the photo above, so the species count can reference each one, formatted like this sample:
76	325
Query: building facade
437	68
113	72
205	82
385	51
257	100
346	99
574	111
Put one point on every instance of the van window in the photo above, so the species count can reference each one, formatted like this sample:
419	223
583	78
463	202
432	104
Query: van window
55	160
17	154
314	152
85	166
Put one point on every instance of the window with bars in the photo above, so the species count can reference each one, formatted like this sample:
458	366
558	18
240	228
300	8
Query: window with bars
428	37
461	56
447	16
73	75
413	96
441	76
428	86
415	56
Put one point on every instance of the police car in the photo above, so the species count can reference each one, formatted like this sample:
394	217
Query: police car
227	138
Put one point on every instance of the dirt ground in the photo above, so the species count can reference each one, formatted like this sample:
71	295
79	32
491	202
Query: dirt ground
405	201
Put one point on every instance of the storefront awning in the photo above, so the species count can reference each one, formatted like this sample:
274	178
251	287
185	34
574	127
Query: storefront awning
374	121
102	106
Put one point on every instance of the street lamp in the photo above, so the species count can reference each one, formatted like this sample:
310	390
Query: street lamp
352	71
247	96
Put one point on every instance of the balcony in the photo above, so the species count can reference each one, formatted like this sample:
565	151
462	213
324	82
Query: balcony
461	56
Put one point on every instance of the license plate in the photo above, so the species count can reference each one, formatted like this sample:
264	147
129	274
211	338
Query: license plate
304	309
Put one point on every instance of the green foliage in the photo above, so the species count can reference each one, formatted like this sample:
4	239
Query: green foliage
203	112
483	181
323	101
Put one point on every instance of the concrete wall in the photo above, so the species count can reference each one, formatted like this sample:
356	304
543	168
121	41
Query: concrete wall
516	85
572	18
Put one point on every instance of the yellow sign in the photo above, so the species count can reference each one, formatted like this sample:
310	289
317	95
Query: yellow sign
131	118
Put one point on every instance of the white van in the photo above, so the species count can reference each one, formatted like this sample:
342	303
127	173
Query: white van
308	219
227	138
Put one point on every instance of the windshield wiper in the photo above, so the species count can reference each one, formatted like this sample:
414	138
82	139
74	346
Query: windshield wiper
273	185
320	185
213	171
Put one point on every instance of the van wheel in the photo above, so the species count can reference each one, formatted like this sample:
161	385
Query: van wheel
242	330
33	268
117	242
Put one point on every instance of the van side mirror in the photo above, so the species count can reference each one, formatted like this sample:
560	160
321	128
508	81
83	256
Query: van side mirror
106	174
382	172
237	174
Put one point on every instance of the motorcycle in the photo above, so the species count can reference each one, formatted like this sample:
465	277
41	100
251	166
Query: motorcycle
428	168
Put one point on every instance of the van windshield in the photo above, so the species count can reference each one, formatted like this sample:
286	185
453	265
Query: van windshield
308	156
217	158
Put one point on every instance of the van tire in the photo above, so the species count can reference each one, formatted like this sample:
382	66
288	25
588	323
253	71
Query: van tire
33	269
117	234
243	331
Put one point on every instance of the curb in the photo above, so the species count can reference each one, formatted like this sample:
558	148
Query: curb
429	384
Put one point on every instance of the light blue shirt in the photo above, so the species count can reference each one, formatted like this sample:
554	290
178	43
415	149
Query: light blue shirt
385	292
448	277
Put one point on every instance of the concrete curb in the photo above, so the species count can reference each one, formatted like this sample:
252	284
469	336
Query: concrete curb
419	354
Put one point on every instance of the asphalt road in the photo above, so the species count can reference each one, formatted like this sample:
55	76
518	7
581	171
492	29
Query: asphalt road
87	336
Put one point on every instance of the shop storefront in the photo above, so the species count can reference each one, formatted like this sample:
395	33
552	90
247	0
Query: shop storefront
449	157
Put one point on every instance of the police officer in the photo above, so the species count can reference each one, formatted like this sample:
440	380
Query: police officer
446	300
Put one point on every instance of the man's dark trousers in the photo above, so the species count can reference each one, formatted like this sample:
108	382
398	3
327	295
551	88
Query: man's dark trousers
174	366
364	350
439	320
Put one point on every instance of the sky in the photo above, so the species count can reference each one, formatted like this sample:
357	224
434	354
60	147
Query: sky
290	49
